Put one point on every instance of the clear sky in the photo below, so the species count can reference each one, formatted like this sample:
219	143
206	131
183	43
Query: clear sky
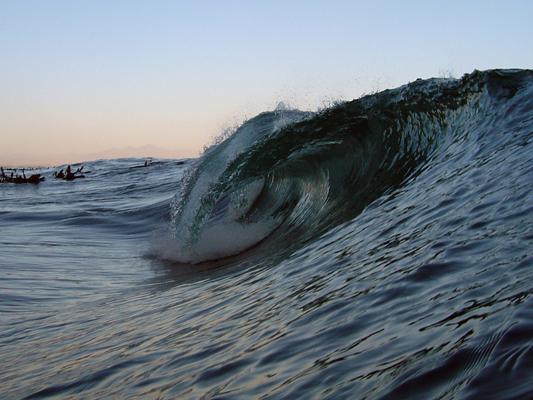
93	79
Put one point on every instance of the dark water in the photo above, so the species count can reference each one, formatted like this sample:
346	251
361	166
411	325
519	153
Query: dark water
379	249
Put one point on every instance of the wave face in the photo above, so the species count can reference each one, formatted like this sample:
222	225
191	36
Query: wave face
289	176
380	249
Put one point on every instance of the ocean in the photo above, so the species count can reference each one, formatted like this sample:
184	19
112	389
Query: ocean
378	249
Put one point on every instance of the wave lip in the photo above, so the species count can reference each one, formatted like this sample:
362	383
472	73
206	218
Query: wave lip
287	176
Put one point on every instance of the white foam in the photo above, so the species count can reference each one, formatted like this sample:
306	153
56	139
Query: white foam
219	232
218	241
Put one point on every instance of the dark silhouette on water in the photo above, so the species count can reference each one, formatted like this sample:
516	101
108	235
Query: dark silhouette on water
68	175
34	178
147	163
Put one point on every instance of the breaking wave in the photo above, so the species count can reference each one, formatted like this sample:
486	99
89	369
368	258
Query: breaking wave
287	176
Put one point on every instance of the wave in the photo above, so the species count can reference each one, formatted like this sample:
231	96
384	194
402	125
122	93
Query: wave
285	177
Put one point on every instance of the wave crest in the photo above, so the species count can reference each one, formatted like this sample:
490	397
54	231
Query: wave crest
287	176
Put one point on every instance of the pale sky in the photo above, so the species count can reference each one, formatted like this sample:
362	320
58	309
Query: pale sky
82	80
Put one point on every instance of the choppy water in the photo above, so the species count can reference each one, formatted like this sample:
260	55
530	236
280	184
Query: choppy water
379	249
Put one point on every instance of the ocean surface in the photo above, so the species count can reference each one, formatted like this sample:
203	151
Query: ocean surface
381	248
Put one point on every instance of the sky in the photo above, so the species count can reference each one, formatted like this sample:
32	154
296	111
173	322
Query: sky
84	80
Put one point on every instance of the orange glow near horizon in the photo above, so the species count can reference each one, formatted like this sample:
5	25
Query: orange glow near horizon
90	80
47	134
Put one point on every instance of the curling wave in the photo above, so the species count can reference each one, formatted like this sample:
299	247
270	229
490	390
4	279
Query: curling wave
287	176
